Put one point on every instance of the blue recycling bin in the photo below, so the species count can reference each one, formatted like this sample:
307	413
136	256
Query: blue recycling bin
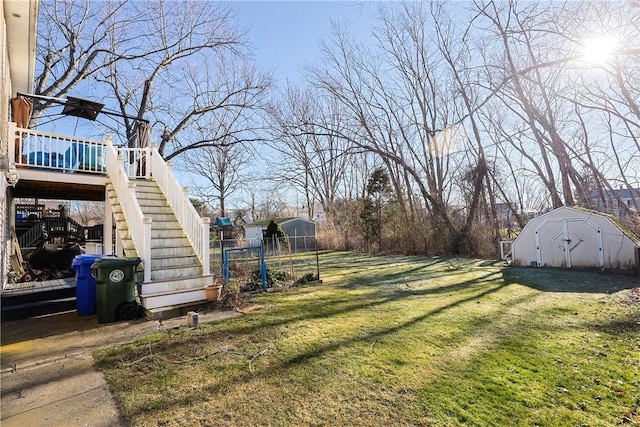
85	283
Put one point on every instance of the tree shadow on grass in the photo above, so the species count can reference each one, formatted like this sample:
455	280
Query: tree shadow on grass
317	309
385	279
376	335
566	280
419	270
304	356
628	324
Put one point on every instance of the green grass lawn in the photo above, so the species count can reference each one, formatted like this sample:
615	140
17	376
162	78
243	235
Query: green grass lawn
391	341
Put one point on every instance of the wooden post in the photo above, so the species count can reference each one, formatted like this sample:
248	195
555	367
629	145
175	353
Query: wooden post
107	226
147	249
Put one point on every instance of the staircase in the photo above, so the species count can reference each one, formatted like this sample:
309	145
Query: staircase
153	217
176	276
32	236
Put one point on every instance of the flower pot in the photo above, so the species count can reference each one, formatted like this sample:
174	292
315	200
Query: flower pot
213	292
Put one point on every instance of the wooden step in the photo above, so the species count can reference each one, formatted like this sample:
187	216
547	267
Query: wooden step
176	273
177	310
40	308
161	217
171	248
158	262
169	298
174	285
22	305
152	203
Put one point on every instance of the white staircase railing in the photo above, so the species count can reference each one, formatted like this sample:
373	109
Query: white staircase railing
147	162
126	192
195	227
67	154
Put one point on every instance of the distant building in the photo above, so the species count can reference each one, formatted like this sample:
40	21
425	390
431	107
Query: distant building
616	202
505	215
301	233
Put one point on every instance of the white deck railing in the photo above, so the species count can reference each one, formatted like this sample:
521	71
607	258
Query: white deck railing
68	154
135	162
58	153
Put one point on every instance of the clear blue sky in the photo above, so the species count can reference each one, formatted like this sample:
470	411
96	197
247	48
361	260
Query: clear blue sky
286	34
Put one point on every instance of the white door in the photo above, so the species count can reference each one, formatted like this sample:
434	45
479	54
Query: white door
569	242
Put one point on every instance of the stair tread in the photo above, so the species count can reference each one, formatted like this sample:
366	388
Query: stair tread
175	310
183	279
172	292
171	251
191	255
44	302
167	268
175	267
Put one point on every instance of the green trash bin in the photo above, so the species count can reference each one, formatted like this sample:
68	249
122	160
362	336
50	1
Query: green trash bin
115	286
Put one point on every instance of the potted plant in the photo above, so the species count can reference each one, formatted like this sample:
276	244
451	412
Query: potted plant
213	291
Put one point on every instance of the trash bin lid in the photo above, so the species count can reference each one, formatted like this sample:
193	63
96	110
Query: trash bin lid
115	262
85	259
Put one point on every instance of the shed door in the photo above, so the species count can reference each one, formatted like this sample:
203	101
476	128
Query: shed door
569	242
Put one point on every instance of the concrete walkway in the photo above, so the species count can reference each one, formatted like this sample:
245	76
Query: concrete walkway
49	376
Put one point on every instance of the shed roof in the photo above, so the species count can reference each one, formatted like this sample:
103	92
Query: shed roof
579	209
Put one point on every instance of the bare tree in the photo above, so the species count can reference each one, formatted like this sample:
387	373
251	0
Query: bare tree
565	103
172	63
312	161
397	103
87	213
76	40
221	172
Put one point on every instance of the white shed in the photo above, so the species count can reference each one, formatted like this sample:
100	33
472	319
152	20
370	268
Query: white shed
301	233
576	237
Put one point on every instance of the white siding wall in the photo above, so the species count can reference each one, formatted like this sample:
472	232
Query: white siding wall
253	233
5	88
589	234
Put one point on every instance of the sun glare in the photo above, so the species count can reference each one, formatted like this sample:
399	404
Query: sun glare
598	50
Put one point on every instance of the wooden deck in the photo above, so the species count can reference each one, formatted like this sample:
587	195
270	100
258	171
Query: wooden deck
33	299
56	185
26	288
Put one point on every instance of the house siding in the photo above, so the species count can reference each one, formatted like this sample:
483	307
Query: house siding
6	86
4	147
612	201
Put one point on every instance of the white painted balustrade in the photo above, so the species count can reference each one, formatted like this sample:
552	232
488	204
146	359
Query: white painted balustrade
68	154
148	163
126	191
195	227
58	153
